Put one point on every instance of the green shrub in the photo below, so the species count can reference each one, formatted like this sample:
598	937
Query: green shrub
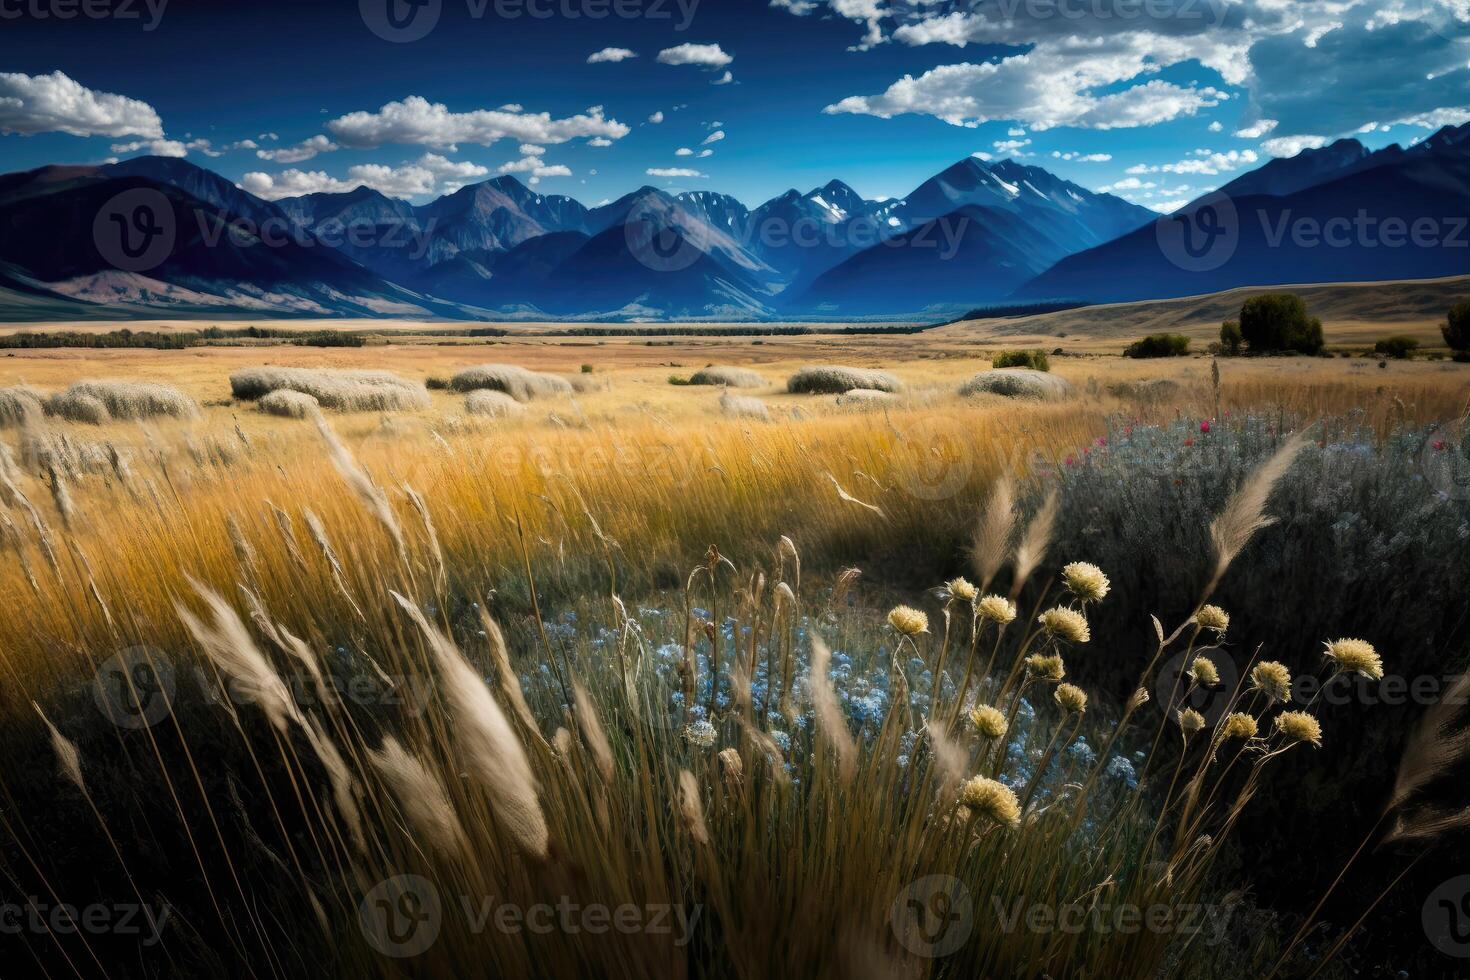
1456	328
1231	338
1279	322
436	384
586	368
1398	346
331	338
1033	359
1159	345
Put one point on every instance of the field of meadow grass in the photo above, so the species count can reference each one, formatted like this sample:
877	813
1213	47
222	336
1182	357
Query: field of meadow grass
313	667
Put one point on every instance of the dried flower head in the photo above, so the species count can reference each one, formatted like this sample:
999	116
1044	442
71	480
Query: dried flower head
1069	624
1139	699
992	800
1272	679
700	734
1204	672
962	589
1046	667
1071	698
1355	657
988	721
1085	581
1213	618
1298	726
908	621
1190	721
1240	725
997	609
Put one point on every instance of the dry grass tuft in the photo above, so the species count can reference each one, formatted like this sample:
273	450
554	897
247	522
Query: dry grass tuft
19	404
78	408
123	400
288	404
743	407
346	391
517	382
1018	383
729	377
837	380
493	404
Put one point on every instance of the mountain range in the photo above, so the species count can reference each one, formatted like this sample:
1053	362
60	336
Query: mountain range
76	239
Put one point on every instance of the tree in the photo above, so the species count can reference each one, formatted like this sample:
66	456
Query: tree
1398	346
1159	345
1279	322
1456	329
1230	337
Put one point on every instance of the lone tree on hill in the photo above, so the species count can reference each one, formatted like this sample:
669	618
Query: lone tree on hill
1279	322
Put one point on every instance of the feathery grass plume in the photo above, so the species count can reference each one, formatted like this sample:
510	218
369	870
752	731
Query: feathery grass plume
1213	618
1071	698
493	404
68	759
1203	672
517	382
846	497
988	721
10	477
1046	667
836	380
992	800
1065	624
1018	383
487	742
1140	698
61	496
743	407
951	757
1085	581
287	530
1245	512
510	686
1350	656
592	733
422	797
786	549
345	391
367	491
990	545
1190	721
19	404
831	726
1438	746
227	643
1034	542
288	404
908	621
344	786
728	377
132	400
283	639
1271	679
691	808
431	535
1298	726
732	770
1239	725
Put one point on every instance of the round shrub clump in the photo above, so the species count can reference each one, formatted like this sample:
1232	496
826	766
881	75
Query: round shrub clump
128	400
18	404
78	408
494	404
1017	383
743	407
866	397
728	377
517	382
835	380
346	391
288	404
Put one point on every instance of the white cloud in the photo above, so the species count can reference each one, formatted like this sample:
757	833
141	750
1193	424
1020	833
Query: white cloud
1167	207
415	120
157	148
1256	129
683	151
1128	184
1216	127
610	54
299	153
1206	162
599	141
429	174
706	153
1015	131
982	155
1290	146
55	103
536	167
1012	147
1073	157
673	172
714	137
704	55
657	117
532	150
724	79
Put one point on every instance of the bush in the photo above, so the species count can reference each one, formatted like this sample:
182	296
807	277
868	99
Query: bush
123	400
1231	338
18	404
1398	346
729	377
586	368
288	404
1279	322
331	338
1456	328
346	391
494	404
835	380
78	408
866	397
1033	359
1017	383
743	406
515	381
436	384
1159	345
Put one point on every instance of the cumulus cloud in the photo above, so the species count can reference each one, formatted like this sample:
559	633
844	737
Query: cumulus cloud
673	172
1290	146
610	55
55	103
1012	147
1073	157
1256	129
724	79
157	148
1206	162
657	117
599	141
299	153
427	175
714	137
536	167
416	120
704	55
683	151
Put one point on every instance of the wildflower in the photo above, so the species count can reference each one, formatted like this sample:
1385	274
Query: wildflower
1071	698
996	608
908	621
1069	624
988	721
1203	672
1213	618
1046	667
1190	721
1240	725
1085	581
700	734
1298	726
1205	426
1356	657
1272	679
991	799
1139	699
962	589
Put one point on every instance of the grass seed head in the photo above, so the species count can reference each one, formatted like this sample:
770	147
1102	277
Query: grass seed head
1066	624
991	799
1085	581
1351	656
1298	726
989	722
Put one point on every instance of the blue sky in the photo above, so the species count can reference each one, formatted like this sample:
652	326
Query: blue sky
1158	100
